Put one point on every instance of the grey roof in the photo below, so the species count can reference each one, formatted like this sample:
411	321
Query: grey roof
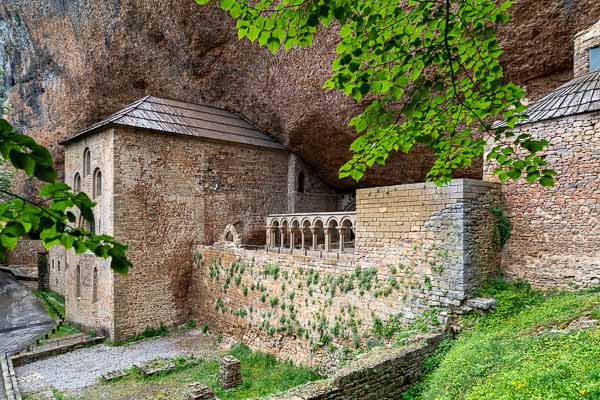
578	96
177	117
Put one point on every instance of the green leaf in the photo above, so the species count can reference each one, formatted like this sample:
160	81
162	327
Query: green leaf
547	181
22	161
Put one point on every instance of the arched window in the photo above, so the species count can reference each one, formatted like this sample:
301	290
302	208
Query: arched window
300	188
58	265
97	183
87	162
78	282
77	183
53	264
95	285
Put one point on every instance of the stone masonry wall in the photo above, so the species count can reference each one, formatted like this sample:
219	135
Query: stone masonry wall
431	248
584	41
445	233
81	308
314	196
383	373
556	230
25	253
172	191
57	265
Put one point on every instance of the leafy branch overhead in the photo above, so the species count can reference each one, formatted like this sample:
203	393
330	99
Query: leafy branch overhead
54	217
426	71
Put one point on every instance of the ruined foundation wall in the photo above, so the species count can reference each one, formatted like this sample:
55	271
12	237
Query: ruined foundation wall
172	191
556	230
383	373
293	305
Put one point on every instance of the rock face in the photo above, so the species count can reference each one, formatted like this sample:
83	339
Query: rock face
70	63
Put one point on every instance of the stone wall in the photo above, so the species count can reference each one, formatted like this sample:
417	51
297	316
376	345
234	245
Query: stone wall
25	253
556	230
57	265
382	373
295	305
82	308
446	233
172	191
584	41
306	192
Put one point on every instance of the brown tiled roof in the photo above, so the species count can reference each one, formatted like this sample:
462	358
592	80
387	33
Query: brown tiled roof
177	117
578	96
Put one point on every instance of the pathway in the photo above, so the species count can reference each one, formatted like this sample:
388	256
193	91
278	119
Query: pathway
83	367
22	318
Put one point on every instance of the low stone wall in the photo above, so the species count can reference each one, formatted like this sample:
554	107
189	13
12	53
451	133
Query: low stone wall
25	253
55	347
383	373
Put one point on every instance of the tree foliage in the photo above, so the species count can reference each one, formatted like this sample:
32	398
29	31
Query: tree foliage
427	71
54	216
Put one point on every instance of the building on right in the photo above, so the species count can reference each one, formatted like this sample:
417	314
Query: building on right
555	238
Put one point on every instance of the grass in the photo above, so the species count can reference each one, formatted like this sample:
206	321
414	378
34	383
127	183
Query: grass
55	307
520	351
262	374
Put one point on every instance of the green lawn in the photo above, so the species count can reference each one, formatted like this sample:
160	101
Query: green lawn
262	374
520	351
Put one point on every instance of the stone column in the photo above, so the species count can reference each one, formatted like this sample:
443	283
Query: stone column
302	234
315	232
269	230
292	238
341	234
281	236
327	238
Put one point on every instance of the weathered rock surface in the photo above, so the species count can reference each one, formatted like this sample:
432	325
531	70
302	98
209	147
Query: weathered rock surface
69	63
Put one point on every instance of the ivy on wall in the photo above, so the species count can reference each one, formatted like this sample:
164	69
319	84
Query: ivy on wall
326	309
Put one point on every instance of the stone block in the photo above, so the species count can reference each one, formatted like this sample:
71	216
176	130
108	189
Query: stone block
481	303
199	391
230	374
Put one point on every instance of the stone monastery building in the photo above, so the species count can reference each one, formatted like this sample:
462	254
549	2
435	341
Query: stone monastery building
226	227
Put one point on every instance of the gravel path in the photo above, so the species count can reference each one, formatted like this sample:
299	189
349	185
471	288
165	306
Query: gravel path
83	367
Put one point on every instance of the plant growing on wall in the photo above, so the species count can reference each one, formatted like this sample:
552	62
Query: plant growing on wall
425	72
502	229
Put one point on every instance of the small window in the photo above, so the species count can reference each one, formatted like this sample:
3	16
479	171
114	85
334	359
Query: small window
86	162
594	59
58	262
300	188
97	183
95	286
52	264
77	183
78	282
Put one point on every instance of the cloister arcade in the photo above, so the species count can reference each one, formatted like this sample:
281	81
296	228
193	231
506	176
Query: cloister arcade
329	232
